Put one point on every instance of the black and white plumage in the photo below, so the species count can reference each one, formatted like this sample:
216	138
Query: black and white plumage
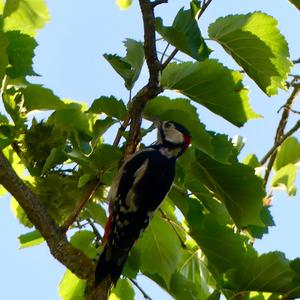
139	188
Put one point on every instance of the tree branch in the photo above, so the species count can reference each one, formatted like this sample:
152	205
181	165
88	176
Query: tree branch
56	239
152	88
86	197
280	136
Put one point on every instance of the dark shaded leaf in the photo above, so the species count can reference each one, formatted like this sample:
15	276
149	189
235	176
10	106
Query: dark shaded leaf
184	34
30	239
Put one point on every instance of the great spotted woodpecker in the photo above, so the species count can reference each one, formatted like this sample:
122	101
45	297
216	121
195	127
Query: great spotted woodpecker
139	188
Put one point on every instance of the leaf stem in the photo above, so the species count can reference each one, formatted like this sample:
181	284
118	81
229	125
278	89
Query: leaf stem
146	296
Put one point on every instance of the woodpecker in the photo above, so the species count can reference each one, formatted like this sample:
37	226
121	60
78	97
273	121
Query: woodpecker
141	185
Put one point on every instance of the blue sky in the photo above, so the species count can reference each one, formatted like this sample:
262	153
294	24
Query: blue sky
69	60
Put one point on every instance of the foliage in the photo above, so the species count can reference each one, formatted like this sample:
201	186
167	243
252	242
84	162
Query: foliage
200	245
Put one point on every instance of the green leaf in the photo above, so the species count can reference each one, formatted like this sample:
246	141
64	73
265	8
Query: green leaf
3	54
110	106
236	185
243	35
124	4
128	67
285	178
288	153
57	156
193	267
296	3
26	16
251	160
161	239
83	240
100	127
97	213
19	213
184	34
84	179
20	53
122	291
106	157
212	85
269	272
222	247
30	239
71	287
40	98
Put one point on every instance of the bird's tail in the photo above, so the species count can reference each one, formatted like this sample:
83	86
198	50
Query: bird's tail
111	263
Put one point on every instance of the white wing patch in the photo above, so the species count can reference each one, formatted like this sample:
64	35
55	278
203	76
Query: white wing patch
130	198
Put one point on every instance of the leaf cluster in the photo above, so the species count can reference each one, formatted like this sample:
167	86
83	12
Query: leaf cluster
203	234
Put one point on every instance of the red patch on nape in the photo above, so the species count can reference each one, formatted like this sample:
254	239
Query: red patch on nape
187	141
107	228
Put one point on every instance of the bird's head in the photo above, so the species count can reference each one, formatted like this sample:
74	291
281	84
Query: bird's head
172	135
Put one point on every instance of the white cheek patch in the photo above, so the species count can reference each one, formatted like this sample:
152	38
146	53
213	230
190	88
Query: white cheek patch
174	136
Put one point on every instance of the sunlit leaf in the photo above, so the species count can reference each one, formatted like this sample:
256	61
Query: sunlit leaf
19	213
285	178
26	16
255	43
30	239
184	34
71	287
161	240
3	54
122	291
212	85
124	4
288	153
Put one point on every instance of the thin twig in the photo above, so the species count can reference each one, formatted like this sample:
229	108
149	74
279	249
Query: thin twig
95	230
121	130
158	2
297	61
146	296
280	136
171	223
289	133
86	197
175	51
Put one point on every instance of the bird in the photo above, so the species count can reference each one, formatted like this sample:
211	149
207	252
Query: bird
139	188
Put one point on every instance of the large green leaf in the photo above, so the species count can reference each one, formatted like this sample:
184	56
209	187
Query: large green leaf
296	3
20	52
110	106
285	178
159	239
71	287
213	86
184	34
122	291
236	185
288	153
26	16
256	44
269	272
128	67
40	98
30	239
223	248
